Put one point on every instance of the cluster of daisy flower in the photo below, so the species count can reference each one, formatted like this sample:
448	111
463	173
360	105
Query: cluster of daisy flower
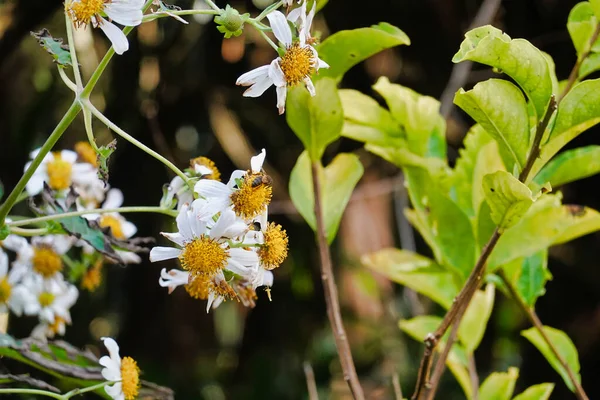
40	280
226	246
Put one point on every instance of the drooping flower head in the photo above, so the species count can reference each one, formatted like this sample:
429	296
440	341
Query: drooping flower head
124	12
296	65
123	371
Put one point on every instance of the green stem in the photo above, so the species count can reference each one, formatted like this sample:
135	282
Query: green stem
32	391
122	210
153	16
29	232
87	121
268	10
212	5
70	84
92	388
71	41
45	149
136	142
263	34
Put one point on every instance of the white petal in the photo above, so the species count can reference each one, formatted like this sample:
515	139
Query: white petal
202	170
256	162
124	14
112	371
259	87
183	223
163	253
235	176
36	183
114	199
309	17
294	14
322	64
69	156
244	257
251	77
210	188
174	237
310	86
281	96
115	391
3	264
129	229
276	74
115	35
280	27
113	349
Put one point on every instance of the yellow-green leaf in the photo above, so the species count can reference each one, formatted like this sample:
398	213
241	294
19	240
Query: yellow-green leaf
508	198
537	392
499	385
476	318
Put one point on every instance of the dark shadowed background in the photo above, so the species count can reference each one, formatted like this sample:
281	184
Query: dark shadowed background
175	91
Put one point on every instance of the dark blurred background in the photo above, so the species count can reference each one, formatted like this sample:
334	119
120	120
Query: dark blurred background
175	91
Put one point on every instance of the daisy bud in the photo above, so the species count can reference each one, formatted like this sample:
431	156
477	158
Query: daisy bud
230	22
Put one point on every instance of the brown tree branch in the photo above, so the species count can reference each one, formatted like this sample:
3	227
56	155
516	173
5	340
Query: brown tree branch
574	75
311	385
331	295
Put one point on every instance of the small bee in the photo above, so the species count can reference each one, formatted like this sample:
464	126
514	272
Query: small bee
262	179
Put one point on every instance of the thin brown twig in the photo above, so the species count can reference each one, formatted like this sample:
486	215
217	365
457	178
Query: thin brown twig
474	377
397	388
311	384
537	323
331	295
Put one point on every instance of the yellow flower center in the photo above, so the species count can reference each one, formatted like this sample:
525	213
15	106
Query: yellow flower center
297	63
253	196
203	257
208	163
46	299
109	221
246	294
93	277
130	378
82	11
59	173
275	248
198	287
5	290
54	327
86	153
46	262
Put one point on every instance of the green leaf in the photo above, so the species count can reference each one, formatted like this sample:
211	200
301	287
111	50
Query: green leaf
414	271
581	25
508	198
578	111
419	115
488	162
58	50
420	326
338	180
103	156
534	274
517	58
316	120
500	108
345	49
499	385
367	121
569	166
589	65
537	392
476	318
564	347
1	190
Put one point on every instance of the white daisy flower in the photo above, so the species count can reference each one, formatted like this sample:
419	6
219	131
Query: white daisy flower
46	330
245	195
43	256
123	371
205	250
59	170
200	167
8	280
124	12
303	21
299	61
120	228
49	299
215	290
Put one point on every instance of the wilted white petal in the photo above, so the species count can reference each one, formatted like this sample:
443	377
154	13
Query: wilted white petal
115	35
163	253
280	27
256	162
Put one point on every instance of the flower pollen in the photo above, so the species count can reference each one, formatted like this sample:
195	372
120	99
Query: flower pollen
46	299
197	287
275	248
55	326
5	290
46	262
297	63
108	221
203	257
130	378
93	277
208	163
59	173
253	197
86	153
82	11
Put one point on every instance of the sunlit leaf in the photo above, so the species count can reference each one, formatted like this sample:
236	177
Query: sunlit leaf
536	392
316	120
589	65
54	46
581	25
564	347
500	108
508	198
417	272
517	58
499	385
473	325
569	166
531	276
344	49
338	180
578	111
